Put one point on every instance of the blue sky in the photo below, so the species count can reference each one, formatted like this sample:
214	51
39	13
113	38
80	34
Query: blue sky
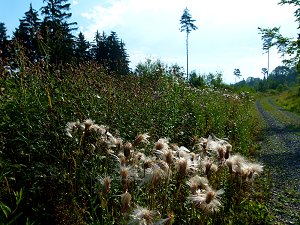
227	35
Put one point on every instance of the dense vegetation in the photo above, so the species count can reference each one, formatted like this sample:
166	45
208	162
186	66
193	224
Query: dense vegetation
48	177
84	140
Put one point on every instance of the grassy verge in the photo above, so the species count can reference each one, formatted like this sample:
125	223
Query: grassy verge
90	176
290	100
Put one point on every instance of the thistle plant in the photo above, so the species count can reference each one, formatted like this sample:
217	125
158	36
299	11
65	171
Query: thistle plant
77	177
149	172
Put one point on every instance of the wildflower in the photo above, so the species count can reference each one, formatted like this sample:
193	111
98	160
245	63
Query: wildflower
125	201
212	143
112	141
201	145
127	174
207	200
98	129
208	167
183	152
165	154
143	216
249	170
105	183
148	162
162	144
221	153
127	147
234	162
228	150
185	166
197	182
182	167
86	124
154	176
219	146
254	170
141	138
72	128
138	158
164	166
243	168
121	158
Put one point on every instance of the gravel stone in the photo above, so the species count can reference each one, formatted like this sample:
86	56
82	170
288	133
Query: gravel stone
280	154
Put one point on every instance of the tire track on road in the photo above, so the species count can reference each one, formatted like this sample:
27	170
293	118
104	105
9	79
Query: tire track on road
280	154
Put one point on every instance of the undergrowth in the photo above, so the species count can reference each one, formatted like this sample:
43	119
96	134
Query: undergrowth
46	177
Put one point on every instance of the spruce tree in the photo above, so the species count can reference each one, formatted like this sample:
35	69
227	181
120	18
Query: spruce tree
82	49
57	31
26	33
3	36
187	25
3	45
110	52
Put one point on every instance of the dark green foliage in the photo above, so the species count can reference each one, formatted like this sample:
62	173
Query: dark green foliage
82	46
52	41
59	175
237	73
279	79
187	23
56	31
197	81
111	53
3	45
27	34
3	35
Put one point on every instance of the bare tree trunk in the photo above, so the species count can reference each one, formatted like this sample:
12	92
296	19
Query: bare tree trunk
187	55
268	62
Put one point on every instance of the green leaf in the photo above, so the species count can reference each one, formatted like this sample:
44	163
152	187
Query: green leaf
5	209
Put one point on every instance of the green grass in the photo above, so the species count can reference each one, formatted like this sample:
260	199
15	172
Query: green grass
47	177
290	100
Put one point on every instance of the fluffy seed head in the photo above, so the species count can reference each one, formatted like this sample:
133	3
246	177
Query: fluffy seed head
143	216
207	200
182	166
125	201
196	182
228	150
72	128
127	149
141	138
87	124
106	182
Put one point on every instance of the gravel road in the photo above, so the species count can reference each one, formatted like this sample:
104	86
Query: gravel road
280	155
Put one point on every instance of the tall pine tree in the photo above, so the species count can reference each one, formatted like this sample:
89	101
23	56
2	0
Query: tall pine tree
111	53
57	31
26	33
187	25
3	46
82	46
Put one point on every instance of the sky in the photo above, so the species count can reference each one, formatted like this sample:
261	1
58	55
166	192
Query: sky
227	37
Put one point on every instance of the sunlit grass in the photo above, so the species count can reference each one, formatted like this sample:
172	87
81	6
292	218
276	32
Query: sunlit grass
107	174
290	100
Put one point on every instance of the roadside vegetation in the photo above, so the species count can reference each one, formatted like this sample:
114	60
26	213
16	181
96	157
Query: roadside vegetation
290	99
84	139
81	146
